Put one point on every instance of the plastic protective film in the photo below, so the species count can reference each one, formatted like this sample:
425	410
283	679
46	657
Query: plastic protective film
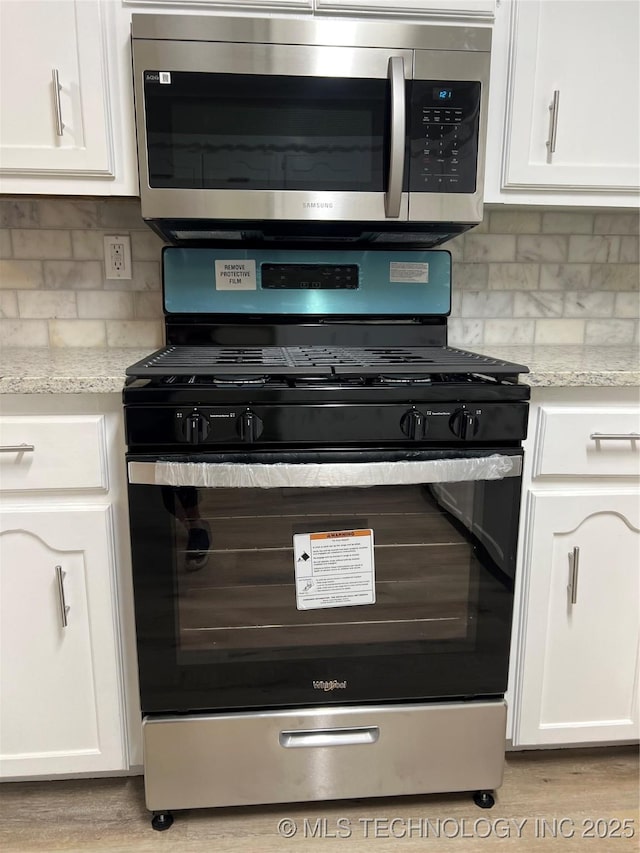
325	474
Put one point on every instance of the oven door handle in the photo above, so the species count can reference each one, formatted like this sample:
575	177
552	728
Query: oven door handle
329	737
312	475
393	196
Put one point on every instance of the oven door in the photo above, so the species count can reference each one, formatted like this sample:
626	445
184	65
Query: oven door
274	580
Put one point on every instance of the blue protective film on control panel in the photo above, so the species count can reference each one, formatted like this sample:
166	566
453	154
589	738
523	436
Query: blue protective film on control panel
306	282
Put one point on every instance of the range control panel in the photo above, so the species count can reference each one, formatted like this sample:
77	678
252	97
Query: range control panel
325	424
444	136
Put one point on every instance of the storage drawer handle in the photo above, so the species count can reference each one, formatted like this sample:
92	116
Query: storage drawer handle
64	607
17	448
329	737
615	436
553	124
56	102
574	564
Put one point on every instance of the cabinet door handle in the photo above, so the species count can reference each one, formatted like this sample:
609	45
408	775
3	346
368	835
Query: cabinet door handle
17	448
615	436
64	607
574	564
554	106
56	102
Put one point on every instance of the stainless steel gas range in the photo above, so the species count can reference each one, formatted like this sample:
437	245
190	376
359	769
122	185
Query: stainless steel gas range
324	502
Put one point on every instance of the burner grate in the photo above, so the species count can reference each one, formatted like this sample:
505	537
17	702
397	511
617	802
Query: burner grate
318	361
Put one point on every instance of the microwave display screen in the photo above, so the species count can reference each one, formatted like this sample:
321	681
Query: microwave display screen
444	136
270	132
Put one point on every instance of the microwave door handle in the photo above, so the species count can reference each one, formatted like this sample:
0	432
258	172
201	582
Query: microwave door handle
393	196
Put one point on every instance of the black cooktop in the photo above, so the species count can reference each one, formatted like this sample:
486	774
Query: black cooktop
327	361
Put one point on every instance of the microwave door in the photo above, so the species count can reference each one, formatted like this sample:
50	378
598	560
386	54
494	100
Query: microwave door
273	132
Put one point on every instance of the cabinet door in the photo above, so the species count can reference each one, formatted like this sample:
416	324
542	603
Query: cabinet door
578	667
412	8
60	685
587	53
45	128
228	6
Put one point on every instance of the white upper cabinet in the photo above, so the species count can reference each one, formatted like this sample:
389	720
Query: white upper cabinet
66	113
565	105
411	8
225	6
54	99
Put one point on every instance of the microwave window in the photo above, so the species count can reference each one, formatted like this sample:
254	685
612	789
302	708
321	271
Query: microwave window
241	131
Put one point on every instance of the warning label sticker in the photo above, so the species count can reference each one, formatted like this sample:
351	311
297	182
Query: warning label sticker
408	273
334	569
236	275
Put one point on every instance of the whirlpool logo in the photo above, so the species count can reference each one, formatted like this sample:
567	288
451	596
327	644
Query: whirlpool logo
329	685
318	205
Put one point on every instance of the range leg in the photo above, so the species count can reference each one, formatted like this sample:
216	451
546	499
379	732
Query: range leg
161	820
484	799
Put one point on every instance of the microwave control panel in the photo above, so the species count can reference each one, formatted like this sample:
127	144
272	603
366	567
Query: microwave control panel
444	136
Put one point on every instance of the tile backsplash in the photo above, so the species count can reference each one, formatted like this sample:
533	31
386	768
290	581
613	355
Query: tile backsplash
523	276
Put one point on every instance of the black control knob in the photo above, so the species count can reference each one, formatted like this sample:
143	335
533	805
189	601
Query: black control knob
250	426
414	425
464	424
196	428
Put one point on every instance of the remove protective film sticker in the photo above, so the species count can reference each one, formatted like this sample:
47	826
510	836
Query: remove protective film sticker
236	275
334	569
408	272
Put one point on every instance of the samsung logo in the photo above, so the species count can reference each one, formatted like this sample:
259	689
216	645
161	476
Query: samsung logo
329	685
318	205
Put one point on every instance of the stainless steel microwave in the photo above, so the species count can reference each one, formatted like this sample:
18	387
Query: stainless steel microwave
274	128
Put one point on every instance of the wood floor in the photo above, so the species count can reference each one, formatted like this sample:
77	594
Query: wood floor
582	793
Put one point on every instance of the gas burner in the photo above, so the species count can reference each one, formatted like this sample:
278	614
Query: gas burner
325	379
406	379
320	379
240	381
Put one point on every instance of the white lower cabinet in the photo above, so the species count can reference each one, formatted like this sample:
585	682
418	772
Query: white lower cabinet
68	678
575	654
59	672
580	662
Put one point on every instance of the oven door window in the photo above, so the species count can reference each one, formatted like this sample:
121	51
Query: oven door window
218	614
267	132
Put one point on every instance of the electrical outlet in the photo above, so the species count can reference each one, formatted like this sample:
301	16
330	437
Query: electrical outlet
117	256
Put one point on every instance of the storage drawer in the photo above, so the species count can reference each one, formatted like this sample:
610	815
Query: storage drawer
587	441
61	452
323	753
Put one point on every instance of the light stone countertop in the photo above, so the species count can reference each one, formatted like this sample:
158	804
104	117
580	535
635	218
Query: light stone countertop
572	366
39	370
101	371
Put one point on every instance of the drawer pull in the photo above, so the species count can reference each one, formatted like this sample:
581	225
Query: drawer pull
574	564
615	436
64	607
17	448
329	737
